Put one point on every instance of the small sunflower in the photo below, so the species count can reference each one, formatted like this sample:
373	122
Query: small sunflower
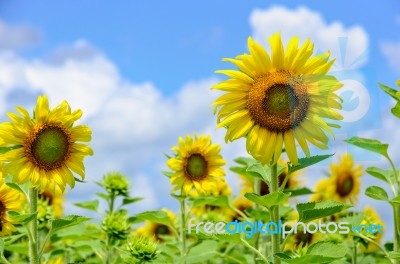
372	218
46	148
10	200
204	211
292	182
343	183
54	200
156	230
242	204
197	166
279	99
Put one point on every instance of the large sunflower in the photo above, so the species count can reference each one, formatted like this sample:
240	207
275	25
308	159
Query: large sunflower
10	200
343	183
46	148
279	99
196	166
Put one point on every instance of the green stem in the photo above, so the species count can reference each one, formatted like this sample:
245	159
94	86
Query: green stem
5	260
112	199
183	234
257	186
108	245
254	249
396	211
354	259
378	245
275	213
41	251
33	227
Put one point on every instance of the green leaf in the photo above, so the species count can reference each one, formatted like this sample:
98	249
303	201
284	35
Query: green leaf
221	200
396	110
268	200
79	180
369	144
89	205
160	217
314	210
377	193
167	173
390	91
67	221
264	172
384	175
103	196
315	259
202	252
178	197
7	149
298	191
16	187
21	218
130	200
306	162
327	249
395	200
1	246
394	254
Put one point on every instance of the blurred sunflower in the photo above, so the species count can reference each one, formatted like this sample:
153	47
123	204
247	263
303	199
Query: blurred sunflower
279	99
372	218
45	146
206	210
156	230
292	182
10	200
242	204
54	200
196	166
343	183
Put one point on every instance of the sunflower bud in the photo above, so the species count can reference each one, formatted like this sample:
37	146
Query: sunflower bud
116	184
142	250
45	213
116	226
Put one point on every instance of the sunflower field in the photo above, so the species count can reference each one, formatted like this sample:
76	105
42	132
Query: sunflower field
279	97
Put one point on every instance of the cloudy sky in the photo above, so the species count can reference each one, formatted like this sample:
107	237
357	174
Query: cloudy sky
141	71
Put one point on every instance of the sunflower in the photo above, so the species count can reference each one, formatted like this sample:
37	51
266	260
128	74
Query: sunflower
372	218
10	200
45	148
207	211
54	200
242	204
343	183
156	230
292	182
278	100
196	166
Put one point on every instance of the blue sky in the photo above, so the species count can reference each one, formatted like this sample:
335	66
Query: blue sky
141	71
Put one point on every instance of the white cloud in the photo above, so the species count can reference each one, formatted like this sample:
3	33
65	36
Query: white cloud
391	50
348	45
16	37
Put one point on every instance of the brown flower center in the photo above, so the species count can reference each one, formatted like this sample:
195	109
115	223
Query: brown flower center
3	210
344	184
278	101
48	147
196	167
161	230
264	188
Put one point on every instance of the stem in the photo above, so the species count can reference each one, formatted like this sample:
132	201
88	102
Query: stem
112	199
33	227
396	211
354	259
275	213
257	186
378	245
254	249
183	234
45	242
5	260
108	245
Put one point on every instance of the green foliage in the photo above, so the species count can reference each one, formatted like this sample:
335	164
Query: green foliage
377	193
268	200
395	95
21	218
160	217
221	200
306	162
372	145
89	205
384	175
201	253
67	221
315	210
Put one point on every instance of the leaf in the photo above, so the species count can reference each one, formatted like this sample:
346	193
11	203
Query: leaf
394	254
103	195
7	149
16	187
268	200
396	110
390	91
384	175
67	221
377	193
221	200
306	162
314	210
202	252
79	180
178	197
298	191
167	173
21	218
1	246
130	200
160	217
327	249
369	144
89	205
264	172
315	259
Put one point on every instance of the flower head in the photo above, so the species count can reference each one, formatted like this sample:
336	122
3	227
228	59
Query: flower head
143	249
156	230
343	183
196	166
116	184
372	218
45	147
116	225
274	100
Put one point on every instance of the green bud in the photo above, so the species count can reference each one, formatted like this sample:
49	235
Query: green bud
116	225
116	184
142	249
